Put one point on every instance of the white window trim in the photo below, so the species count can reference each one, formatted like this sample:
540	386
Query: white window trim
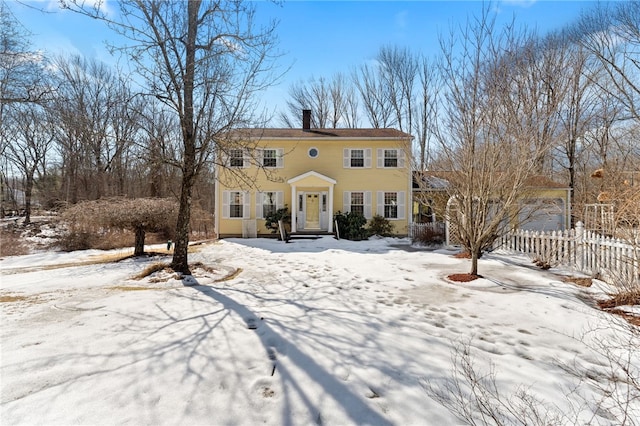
309	152
401	200
346	203
226	205
380	158
279	157
346	158
260	205
246	159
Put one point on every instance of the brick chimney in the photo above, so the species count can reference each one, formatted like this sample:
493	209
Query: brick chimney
306	119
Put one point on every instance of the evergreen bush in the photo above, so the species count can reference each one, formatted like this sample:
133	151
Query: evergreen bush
271	220
351	226
380	226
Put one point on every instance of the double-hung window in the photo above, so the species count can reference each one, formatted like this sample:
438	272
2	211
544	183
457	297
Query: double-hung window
236	158
391	205
358	202
268	202
269	158
269	205
390	158
272	157
235	205
357	158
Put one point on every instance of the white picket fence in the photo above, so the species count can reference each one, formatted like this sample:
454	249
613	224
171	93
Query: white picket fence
612	259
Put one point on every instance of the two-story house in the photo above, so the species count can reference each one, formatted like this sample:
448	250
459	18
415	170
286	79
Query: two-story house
315	173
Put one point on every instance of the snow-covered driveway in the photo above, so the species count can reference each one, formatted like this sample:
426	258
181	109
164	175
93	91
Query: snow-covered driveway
312	332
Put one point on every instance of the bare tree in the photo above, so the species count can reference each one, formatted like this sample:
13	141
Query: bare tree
313	95
140	215
625	278
29	143
374	94
351	104
611	33
604	149
157	146
577	110
124	129
477	397
543	90
474	396
343	101
204	60
23	81
497	121
425	126
21	76
332	103
87	96
401	89
398	69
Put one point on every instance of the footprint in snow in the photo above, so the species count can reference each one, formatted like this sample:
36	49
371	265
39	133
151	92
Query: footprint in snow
343	373
276	344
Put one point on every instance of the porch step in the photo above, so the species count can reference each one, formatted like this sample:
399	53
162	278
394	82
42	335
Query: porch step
308	235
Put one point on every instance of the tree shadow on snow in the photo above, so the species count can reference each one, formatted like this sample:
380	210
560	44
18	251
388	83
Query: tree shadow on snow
272	344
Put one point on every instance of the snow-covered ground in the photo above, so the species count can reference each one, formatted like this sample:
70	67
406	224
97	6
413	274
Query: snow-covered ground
345	333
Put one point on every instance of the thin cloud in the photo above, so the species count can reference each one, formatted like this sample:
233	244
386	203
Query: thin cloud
521	3
104	6
401	19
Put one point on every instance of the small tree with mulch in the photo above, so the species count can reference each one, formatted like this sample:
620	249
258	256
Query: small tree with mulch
140	215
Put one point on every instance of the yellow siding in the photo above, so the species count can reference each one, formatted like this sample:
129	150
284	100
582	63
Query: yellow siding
551	193
329	163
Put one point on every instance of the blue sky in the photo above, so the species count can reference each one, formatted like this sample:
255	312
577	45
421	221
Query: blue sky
319	38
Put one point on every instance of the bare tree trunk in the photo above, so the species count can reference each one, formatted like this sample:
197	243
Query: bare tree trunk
180	262
139	244
155	169
475	255
28	191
